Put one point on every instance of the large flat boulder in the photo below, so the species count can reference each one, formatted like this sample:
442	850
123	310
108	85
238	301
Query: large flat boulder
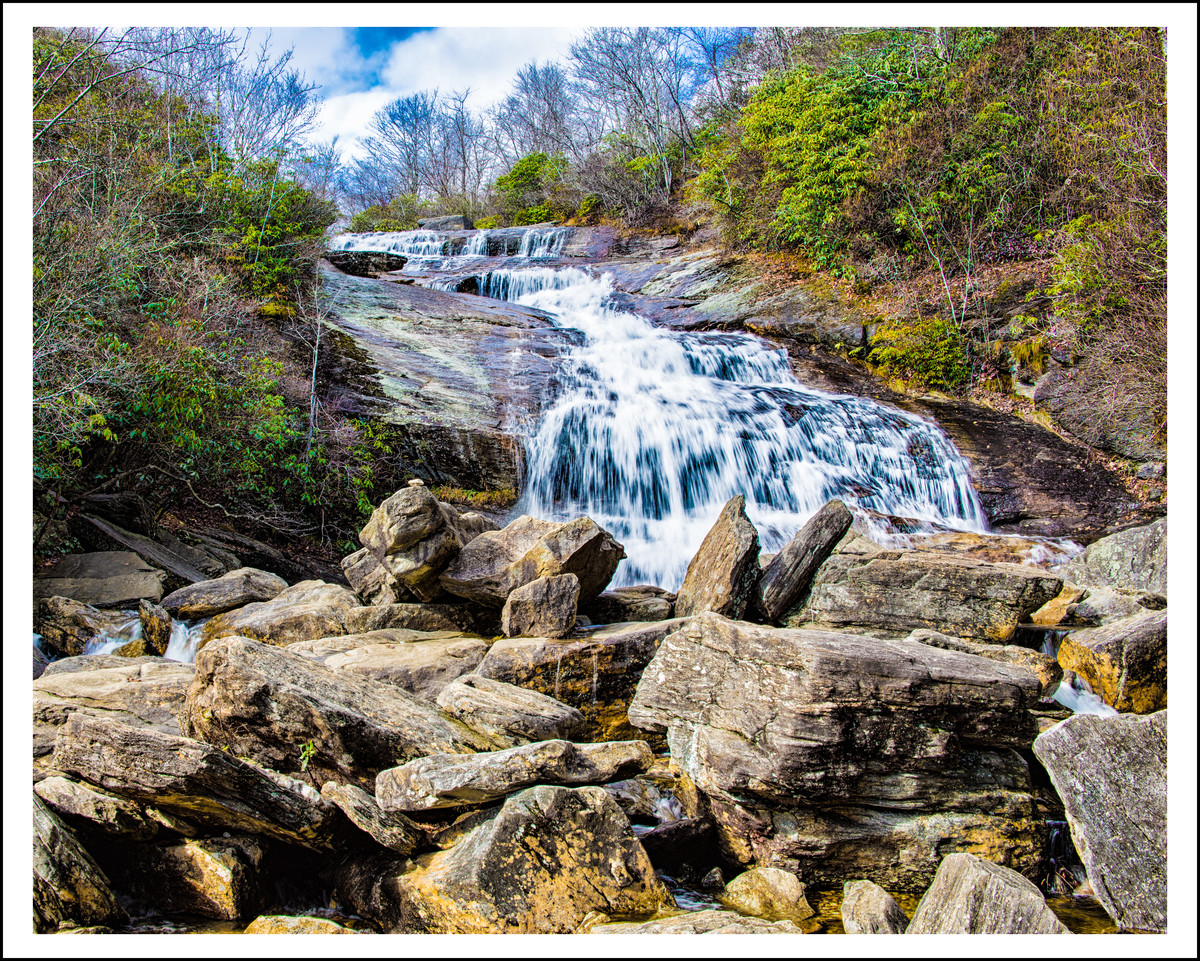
722	574
1124	662
1044	667
900	591
837	754
509	715
471	780
970	895
596	673
424	617
547	859
192	780
265	703
101	579
245	585
422	667
304	611
496	563
1111	774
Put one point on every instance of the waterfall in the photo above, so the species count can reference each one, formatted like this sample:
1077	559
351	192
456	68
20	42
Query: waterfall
654	430
412	243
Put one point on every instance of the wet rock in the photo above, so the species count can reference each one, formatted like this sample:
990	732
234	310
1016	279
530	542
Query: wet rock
596	674
826	753
365	263
67	626
972	896
1135	560
1055	611
771	893
549	857
97	809
788	576
498	562
214	877
709	921
68	885
291	924
1102	605
899	591
1111	774
685	849
508	715
192	780
1124	662
245	585
1044	667
424	617
446	781
156	627
643	602
41	661
146	692
390	828
869	909
545	607
422	667
265	703
304	611
102	579
721	576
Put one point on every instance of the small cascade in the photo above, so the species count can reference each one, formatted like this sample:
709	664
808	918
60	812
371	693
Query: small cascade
126	630
185	641
1077	695
476	246
413	243
543	243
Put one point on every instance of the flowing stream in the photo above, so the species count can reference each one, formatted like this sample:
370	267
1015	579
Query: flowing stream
654	430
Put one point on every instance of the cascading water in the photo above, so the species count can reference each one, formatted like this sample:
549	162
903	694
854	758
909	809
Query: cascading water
655	430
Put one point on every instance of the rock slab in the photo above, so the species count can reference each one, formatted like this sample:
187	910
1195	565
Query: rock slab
722	574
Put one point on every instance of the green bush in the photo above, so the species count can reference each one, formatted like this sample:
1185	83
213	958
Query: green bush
927	351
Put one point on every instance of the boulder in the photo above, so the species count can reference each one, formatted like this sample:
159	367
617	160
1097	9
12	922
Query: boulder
596	674
1044	667
365	263
545	607
369	579
1124	662
290	924
642	602
269	704
548	858
496	563
899	591
424	617
446	222
767	893
1101	605
390	828
147	692
831	754
1134	559
869	909
413	536
789	574
302	612
508	715
722	574
422	667
156	627
972	896
1111	774
68	885
101	579
67	626
471	780
84	804
245	585
323	648
214	877
685	849
708	921
193	781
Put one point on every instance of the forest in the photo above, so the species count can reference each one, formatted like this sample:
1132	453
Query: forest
180	208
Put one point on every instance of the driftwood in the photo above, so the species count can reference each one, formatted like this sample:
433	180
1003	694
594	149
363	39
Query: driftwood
149	550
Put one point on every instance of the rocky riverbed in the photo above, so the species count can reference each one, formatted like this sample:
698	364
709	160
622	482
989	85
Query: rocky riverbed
477	736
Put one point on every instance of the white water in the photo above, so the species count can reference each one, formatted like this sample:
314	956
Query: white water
654	431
